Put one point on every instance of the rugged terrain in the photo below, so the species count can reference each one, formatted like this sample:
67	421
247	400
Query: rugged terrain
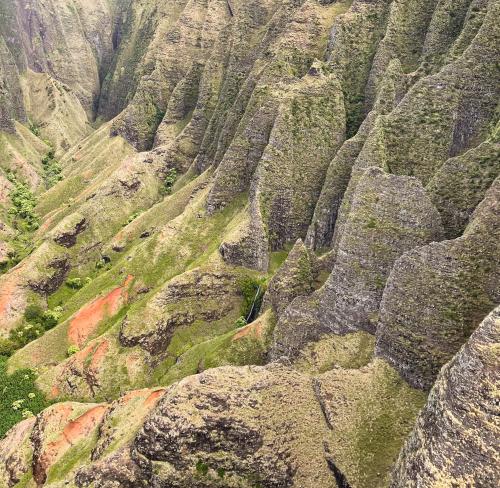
249	243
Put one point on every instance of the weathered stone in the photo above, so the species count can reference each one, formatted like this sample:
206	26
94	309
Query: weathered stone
235	171
67	237
370	411
290	175
351	48
174	307
247	245
239	431
11	99
461	183
295	278
455	440
320	232
438	294
389	215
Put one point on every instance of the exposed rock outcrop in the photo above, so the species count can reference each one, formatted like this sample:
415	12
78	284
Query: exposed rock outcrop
209	149
296	277
291	173
389	215
454	442
438	294
256	443
461	184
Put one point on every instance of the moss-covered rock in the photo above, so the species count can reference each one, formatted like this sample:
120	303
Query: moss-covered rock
320	232
454	441
438	294
370	411
389	215
461	183
292	169
295	278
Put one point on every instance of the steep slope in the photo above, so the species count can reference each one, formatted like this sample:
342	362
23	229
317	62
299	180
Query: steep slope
454	439
239	240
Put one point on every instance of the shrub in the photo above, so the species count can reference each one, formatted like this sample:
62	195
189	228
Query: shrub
23	207
75	283
170	180
73	349
25	333
7	347
253	292
201	467
133	217
51	318
34	128
104	262
33	313
20	397
52	169
241	322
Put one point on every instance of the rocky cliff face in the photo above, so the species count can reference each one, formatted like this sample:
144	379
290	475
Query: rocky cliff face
240	239
453	441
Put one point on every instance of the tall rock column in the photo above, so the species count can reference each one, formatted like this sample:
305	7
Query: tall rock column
438	294
389	215
455	440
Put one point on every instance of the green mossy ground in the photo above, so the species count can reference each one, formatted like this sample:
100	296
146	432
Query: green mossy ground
373	411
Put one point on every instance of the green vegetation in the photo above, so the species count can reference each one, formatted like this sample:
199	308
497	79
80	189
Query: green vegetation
241	322
22	212
34	128
202	467
20	398
75	283
36	322
170	180
132	218
354	112
21	245
253	292
73	349
52	169
24	220
34	314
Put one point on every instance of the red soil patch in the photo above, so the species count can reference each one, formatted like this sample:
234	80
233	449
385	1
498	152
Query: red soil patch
99	355
6	293
54	392
72	433
85	322
46	224
131	395
12	299
152	399
254	329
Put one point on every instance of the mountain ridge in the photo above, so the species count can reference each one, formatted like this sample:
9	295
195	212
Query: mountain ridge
249	244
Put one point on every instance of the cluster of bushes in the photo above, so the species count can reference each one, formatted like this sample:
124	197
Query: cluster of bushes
36	322
78	283
20	397
34	128
73	349
170	180
52	169
132	218
21	245
252	291
23	206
